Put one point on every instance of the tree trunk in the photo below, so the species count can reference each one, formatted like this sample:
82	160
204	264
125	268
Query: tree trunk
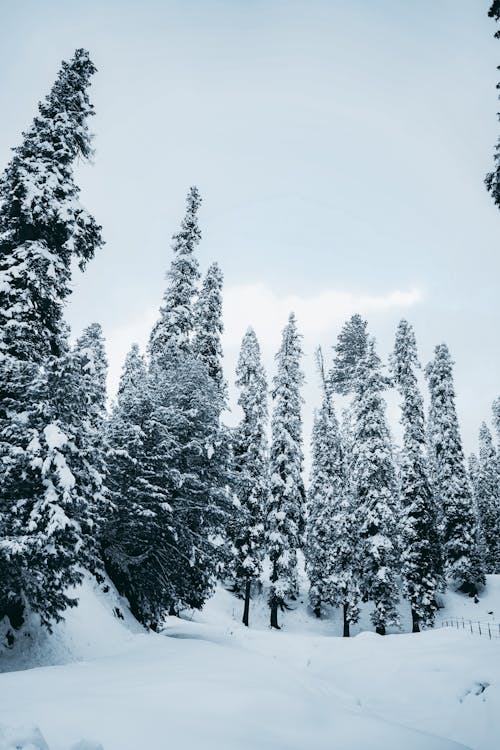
317	610
246	608
172	610
346	633
380	629
274	613
415	624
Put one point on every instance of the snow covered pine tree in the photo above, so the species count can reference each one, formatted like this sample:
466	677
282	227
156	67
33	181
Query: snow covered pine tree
208	327
43	229
374	489
331	544
251	471
179	485
420	553
285	517
459	523
487	496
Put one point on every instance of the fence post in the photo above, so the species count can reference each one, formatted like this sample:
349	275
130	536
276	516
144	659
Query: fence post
479	626
471	630
489	631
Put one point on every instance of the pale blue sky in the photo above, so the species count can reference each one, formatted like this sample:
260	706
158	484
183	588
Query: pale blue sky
340	147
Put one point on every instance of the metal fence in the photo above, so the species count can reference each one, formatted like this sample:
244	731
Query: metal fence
476	627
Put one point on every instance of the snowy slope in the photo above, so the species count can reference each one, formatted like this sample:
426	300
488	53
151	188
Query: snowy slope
210	683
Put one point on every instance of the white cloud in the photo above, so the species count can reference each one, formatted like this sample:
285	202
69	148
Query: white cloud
257	305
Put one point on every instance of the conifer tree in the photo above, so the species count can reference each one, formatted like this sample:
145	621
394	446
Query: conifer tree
492	179
285	517
331	543
251	470
174	329
90	369
495	408
181	488
487	496
209	327
459	531
43	229
138	535
420	554
349	350
374	489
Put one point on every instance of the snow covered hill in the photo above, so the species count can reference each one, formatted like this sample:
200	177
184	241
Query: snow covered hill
208	682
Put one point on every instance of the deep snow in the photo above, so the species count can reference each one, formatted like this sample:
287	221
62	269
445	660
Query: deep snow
208	682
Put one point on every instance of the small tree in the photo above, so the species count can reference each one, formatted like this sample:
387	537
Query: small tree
285	517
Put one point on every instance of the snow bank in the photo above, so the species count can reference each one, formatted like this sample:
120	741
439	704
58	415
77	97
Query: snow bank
208	682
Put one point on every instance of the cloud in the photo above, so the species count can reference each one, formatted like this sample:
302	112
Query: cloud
257	305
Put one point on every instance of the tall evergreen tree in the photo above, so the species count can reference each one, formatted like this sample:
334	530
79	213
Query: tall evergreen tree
285	517
459	532
349	350
374	489
43	229
174	329
138	534
487	496
421	554
208	326
90	369
251	469
331	539
181	484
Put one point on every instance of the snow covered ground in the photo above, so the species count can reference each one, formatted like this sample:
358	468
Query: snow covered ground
210	683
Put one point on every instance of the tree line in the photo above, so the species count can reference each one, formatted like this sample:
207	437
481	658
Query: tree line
161	496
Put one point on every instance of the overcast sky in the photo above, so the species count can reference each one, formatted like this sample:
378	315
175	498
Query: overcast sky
340	148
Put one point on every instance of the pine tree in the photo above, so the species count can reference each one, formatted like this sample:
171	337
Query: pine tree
374	489
174	329
285	518
349	350
331	544
43	229
421	554
495	408
251	470
91	369
138	535
168	561
492	180
487	496
451	487
209	327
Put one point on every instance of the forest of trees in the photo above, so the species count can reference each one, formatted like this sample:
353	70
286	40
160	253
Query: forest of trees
157	493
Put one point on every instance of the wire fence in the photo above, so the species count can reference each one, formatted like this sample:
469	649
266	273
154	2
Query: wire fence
489	630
